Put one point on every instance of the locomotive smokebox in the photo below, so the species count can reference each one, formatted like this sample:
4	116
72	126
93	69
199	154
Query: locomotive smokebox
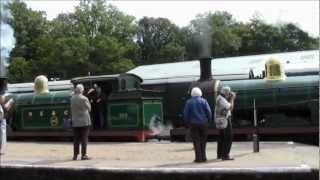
205	69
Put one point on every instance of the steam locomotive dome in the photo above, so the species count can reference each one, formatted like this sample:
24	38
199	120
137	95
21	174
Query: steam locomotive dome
41	84
274	70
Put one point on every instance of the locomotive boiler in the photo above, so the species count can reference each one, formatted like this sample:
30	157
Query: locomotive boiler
286	107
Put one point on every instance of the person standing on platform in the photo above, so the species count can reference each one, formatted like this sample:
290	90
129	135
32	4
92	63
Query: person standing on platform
81	122
223	108
3	124
197	114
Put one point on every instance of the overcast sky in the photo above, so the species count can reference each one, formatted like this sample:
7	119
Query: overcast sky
305	14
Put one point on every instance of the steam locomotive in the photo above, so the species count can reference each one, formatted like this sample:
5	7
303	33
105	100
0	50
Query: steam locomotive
271	105
125	111
286	106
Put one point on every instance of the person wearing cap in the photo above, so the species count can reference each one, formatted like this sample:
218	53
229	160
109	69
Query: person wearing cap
197	114
97	99
223	108
80	109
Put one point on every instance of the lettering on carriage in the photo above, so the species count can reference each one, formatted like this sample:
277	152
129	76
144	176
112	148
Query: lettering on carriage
123	116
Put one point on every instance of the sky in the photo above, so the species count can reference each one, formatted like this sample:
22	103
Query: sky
305	14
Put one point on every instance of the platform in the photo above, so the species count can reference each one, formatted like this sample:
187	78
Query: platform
159	160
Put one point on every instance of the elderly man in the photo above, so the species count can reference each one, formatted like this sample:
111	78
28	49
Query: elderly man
223	108
80	108
197	113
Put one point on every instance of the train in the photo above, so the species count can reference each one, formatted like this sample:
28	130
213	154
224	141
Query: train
286	107
279	104
127	110
286	101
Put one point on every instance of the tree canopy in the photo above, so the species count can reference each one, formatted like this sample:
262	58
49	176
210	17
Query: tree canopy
100	39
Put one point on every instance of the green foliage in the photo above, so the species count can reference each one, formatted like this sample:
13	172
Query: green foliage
28	25
100	39
95	38
19	70
158	39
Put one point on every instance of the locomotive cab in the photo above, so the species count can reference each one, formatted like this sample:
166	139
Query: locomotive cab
119	105
99	88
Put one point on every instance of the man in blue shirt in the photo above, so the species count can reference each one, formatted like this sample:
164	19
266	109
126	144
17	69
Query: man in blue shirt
197	114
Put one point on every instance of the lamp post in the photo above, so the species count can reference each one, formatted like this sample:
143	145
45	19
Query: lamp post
255	137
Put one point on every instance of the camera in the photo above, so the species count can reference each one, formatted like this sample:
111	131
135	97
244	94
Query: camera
232	94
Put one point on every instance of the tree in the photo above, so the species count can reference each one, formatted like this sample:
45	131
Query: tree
95	38
158	41
28	25
107	56
100	39
213	35
19	70
294	39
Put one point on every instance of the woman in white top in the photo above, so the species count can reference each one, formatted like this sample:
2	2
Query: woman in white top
3	124
223	108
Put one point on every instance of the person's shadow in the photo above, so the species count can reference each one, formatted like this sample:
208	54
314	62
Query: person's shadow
48	162
204	163
189	163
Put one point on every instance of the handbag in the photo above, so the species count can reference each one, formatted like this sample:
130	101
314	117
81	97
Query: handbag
67	123
221	115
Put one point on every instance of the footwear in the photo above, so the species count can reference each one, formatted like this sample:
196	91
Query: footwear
199	161
85	157
74	157
227	158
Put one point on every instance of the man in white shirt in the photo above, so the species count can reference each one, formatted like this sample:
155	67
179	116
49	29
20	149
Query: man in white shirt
223	108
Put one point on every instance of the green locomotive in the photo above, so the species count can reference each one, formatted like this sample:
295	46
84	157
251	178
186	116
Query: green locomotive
285	106
127	110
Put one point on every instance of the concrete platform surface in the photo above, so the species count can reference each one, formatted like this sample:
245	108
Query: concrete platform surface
161	155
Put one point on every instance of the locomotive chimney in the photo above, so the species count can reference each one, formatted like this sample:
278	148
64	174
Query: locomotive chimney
205	69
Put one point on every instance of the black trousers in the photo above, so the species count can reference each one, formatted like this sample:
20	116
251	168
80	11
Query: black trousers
199	133
225	141
80	135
